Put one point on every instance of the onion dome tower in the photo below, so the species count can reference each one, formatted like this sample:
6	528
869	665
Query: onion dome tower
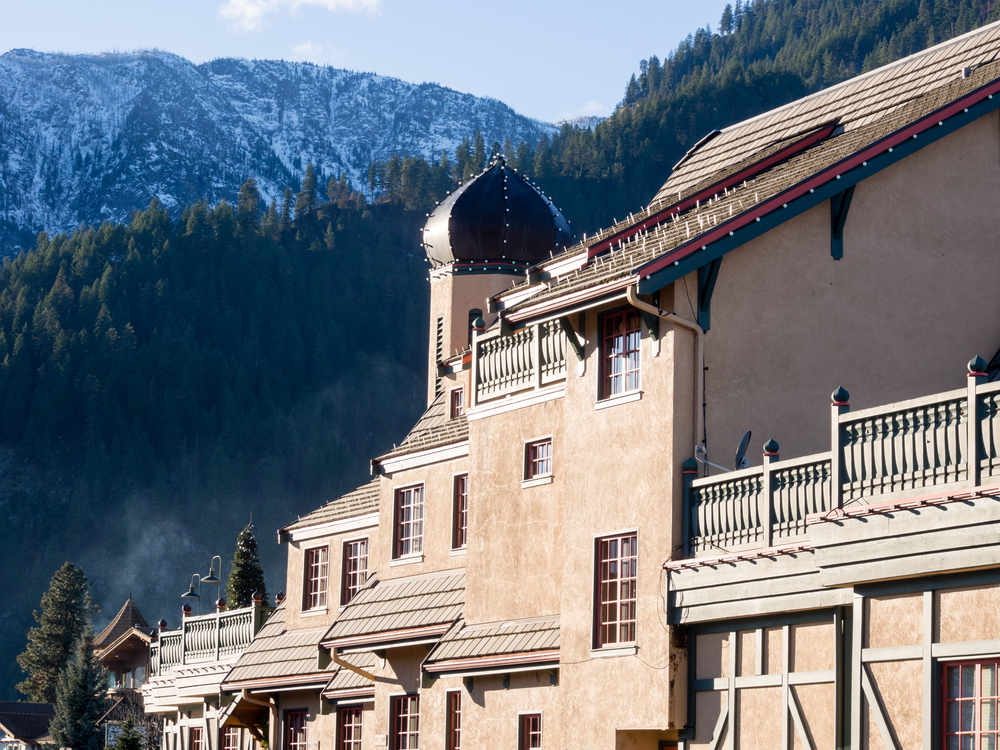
479	241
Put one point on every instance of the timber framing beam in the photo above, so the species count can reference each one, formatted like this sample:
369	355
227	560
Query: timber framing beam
707	276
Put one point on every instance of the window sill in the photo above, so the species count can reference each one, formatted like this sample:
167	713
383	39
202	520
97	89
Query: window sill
313	612
460	552
624	398
408	560
609	652
536	482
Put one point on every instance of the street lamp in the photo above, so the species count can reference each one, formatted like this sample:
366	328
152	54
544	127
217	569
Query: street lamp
212	578
191	592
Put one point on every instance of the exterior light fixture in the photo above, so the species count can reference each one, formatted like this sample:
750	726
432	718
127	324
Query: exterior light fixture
191	594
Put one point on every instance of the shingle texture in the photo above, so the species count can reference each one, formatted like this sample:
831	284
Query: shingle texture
128	617
868	108
358	502
402	604
278	653
497	639
433	430
26	721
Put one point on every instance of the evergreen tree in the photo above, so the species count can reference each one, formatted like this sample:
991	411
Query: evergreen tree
478	153
726	22
248	207
65	616
81	700
306	199
285	222
129	737
246	574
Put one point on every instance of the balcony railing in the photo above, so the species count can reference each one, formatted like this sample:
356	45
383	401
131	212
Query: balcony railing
530	358
889	451
207	638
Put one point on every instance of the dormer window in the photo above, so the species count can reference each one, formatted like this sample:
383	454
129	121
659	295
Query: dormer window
457	402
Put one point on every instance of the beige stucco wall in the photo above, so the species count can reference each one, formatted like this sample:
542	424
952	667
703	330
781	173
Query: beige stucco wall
818	704
912	300
758	718
900	686
895	620
968	614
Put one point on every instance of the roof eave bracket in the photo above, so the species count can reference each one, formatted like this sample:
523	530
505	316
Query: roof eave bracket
840	205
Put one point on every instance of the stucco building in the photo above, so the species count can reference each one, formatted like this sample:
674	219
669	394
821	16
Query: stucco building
543	563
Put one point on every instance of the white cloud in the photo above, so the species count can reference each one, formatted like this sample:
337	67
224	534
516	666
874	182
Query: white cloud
309	52
592	108
249	15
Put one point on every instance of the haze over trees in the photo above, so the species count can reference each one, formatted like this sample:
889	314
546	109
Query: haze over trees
160	378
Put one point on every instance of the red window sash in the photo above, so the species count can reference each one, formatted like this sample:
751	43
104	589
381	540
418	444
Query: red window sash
457	402
454	738
620	353
355	568
539	459
317	572
616	579
195	738
295	730
230	738
971	695
406	722
461	512
409	521
350	729
531	731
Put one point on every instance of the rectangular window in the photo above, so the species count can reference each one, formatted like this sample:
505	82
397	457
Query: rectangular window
616	568
970	706
230	738
317	572
454	739
409	521
530	731
295	730
460	512
406	722
538	458
194	738
355	568
620	353
457	402
349	729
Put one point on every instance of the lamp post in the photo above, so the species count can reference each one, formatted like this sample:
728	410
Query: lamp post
190	594
212	578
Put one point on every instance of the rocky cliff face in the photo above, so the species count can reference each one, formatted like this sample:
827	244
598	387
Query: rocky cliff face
89	138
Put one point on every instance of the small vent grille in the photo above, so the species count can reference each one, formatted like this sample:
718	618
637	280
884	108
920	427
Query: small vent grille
438	353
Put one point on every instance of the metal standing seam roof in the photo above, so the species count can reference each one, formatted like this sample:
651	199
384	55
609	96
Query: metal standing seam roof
277	653
433	430
26	721
869	108
345	679
358	502
497	639
402	604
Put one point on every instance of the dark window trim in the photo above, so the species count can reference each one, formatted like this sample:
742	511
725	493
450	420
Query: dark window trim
396	541
602	384
597	640
344	571
529	461
459	531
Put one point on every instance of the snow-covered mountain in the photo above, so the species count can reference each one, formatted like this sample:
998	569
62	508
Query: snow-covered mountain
85	138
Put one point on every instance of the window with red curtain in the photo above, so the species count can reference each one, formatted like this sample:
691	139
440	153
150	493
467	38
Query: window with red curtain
616	569
620	353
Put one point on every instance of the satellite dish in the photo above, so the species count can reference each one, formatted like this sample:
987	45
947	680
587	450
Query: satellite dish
741	452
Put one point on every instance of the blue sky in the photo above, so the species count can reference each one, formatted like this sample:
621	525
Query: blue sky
547	59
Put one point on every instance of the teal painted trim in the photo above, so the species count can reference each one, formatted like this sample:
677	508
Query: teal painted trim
796	206
707	276
840	205
752	623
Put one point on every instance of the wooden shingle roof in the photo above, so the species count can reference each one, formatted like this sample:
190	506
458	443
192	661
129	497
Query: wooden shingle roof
473	642
358	502
400	609
25	721
433	430
128	617
796	154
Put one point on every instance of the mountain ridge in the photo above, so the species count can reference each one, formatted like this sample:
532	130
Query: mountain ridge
131	126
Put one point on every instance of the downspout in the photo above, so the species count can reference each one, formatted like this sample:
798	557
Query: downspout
631	294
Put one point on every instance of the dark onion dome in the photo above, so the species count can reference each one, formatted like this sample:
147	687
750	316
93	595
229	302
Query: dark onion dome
497	217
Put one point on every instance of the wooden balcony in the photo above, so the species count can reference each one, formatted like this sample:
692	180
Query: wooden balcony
527	359
881	454
207	638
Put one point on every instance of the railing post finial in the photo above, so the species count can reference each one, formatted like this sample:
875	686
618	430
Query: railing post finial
771	448
977	367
